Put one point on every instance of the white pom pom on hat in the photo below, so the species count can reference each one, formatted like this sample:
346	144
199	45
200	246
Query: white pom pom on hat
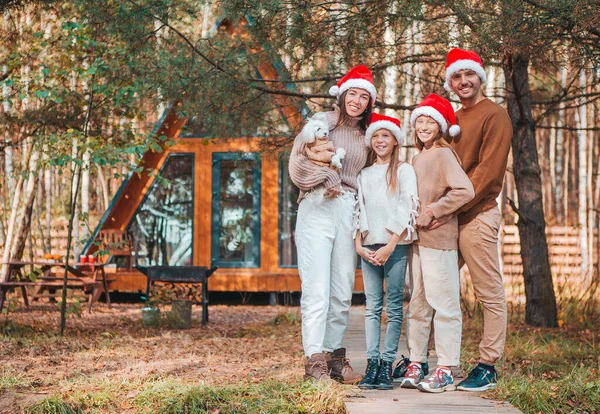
440	110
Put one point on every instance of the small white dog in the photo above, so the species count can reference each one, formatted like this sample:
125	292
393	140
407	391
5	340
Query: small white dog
319	149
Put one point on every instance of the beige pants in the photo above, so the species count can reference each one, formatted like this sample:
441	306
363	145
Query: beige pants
436	287
478	246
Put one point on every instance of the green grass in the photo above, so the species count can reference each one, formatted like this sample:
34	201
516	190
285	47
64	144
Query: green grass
12	380
173	397
546	370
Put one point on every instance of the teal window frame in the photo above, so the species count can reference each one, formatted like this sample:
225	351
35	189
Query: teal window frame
282	162
152	187
217	157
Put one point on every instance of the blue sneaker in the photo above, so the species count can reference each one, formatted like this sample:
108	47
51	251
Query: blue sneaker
479	379
439	381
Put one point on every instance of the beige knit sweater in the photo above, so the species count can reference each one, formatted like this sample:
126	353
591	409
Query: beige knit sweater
308	176
443	187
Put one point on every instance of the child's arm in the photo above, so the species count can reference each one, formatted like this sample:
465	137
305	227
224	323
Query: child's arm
403	221
363	227
363	223
362	251
460	193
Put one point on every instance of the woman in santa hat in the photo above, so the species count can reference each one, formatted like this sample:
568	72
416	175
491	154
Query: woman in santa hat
388	200
443	188
325	224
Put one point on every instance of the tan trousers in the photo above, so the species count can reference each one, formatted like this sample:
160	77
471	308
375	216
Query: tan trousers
436	287
478	246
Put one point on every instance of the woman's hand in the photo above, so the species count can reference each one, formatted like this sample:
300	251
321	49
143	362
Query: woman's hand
425	218
333	192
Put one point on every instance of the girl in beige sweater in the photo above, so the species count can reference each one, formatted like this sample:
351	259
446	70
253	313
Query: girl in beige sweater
443	188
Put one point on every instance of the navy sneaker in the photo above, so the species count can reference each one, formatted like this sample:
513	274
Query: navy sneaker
479	379
402	366
400	369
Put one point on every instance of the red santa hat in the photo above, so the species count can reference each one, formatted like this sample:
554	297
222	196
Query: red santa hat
358	77
384	122
459	59
440	110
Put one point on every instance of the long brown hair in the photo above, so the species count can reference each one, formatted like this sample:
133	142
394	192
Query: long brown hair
365	119
440	141
391	176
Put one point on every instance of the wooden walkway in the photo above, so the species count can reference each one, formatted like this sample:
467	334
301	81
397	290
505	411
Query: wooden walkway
401	400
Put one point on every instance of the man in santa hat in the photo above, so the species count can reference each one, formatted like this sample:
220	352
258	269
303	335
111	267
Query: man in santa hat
483	146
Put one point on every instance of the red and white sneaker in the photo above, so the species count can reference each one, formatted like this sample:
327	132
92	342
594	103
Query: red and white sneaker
414	374
439	380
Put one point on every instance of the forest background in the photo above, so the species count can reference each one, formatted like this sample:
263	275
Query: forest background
84	82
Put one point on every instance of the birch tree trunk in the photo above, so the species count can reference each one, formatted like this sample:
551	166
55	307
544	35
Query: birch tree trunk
48	205
103	186
540	308
85	192
24	218
75	206
13	218
560	155
581	123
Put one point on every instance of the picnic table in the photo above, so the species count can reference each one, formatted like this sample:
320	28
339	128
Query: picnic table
90	277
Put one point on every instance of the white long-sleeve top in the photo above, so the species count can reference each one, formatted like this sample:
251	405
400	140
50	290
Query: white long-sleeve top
382	213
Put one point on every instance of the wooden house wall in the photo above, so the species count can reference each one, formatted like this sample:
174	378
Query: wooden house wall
269	277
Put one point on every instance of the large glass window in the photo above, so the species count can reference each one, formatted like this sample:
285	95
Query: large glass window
288	211
236	210
162	227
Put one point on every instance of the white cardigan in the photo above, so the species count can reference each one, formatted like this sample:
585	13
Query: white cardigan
382	213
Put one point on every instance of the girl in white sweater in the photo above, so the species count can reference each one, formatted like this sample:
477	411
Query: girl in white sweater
387	196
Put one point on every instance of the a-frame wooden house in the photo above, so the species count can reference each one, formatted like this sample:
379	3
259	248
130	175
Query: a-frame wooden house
225	205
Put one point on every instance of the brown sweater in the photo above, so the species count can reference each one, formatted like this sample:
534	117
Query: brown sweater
309	176
483	146
444	188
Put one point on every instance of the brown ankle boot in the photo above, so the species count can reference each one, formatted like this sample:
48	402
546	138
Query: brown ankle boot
339	367
315	368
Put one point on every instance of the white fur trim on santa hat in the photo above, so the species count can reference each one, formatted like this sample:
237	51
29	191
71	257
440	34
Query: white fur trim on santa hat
384	124
461	65
354	83
429	111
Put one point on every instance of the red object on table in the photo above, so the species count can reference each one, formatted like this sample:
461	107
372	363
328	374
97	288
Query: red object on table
91	259
83	259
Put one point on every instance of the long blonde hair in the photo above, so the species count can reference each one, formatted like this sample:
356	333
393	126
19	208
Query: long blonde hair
391	176
440	141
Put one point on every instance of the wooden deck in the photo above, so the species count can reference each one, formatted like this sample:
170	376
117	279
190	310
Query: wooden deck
401	400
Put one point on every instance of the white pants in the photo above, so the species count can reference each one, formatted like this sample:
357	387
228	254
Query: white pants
327	266
436	288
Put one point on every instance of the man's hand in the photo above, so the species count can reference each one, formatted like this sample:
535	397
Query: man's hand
425	218
333	192
438	222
